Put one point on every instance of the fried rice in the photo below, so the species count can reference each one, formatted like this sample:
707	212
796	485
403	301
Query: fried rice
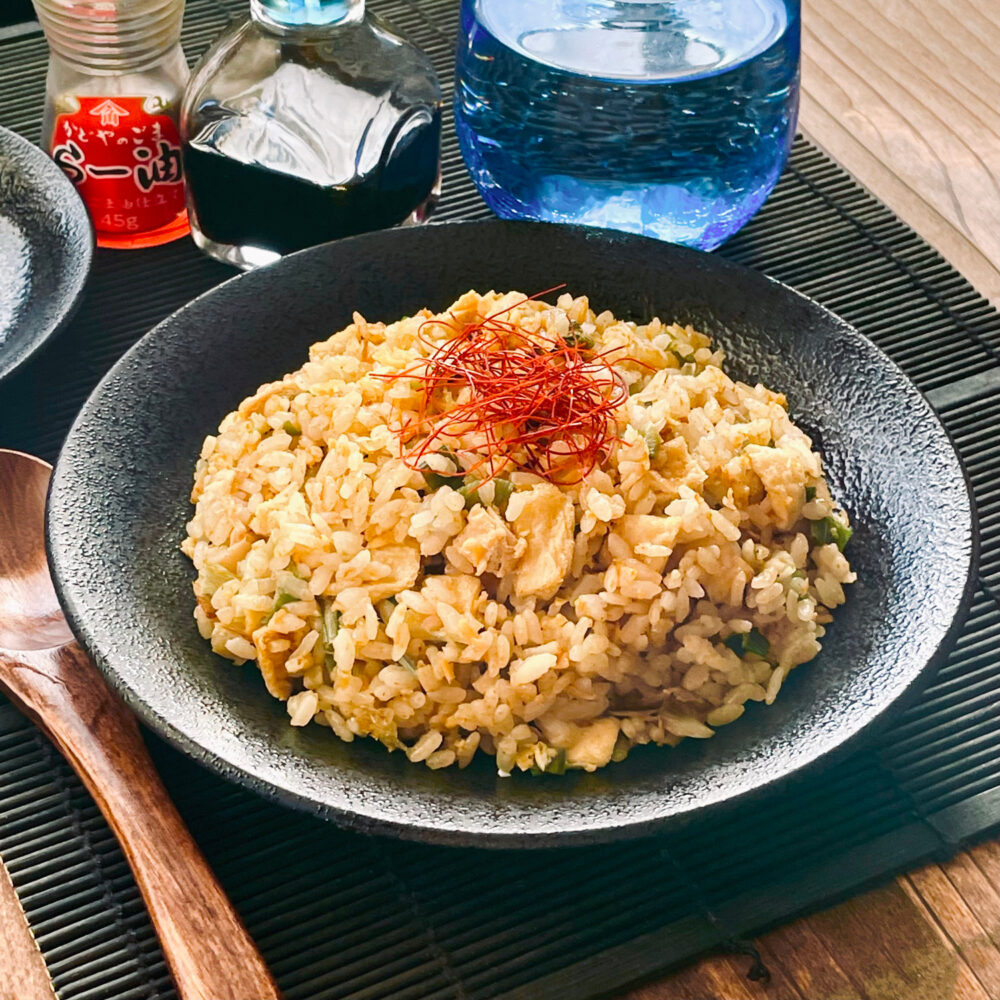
553	625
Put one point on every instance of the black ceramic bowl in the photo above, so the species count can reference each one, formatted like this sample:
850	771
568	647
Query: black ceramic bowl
119	502
46	245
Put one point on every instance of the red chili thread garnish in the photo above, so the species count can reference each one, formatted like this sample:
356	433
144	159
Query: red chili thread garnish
542	403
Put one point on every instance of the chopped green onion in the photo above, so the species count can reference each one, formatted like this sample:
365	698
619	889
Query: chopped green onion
754	642
577	338
385	609
503	489
282	598
215	576
820	531
810	493
831	530
555	766
330	628
331	623
635	388
292	428
840	533
435	480
653	441
684	359
470	490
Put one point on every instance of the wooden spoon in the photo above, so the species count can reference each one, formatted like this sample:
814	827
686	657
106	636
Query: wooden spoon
53	682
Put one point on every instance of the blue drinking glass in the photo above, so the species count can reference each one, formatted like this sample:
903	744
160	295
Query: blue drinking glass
671	118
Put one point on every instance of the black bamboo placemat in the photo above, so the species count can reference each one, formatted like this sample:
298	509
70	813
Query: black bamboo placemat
340	915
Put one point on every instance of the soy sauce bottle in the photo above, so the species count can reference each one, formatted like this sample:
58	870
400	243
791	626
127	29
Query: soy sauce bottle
310	121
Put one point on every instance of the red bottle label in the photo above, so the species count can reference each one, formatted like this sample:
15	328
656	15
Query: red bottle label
124	161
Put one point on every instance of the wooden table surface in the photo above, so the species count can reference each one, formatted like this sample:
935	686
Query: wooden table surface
906	95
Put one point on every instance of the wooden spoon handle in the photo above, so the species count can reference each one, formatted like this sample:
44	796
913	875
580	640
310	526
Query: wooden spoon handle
206	946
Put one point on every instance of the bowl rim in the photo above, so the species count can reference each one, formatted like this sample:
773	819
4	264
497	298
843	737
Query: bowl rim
72	291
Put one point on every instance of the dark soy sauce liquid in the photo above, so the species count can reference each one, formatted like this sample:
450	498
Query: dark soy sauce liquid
242	204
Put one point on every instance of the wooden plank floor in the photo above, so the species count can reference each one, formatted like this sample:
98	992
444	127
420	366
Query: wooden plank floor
906	95
933	934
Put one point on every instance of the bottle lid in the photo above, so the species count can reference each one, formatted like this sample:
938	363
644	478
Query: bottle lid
293	13
107	37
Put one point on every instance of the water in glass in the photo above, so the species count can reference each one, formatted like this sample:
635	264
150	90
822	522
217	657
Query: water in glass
670	118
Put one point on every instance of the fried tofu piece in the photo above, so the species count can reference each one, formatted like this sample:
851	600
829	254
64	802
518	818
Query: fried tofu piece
545	523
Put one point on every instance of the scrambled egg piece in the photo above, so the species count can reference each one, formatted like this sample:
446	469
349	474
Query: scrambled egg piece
650	536
674	466
403	562
273	648
594	746
545	523
459	591
487	543
784	481
649	529
738	476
